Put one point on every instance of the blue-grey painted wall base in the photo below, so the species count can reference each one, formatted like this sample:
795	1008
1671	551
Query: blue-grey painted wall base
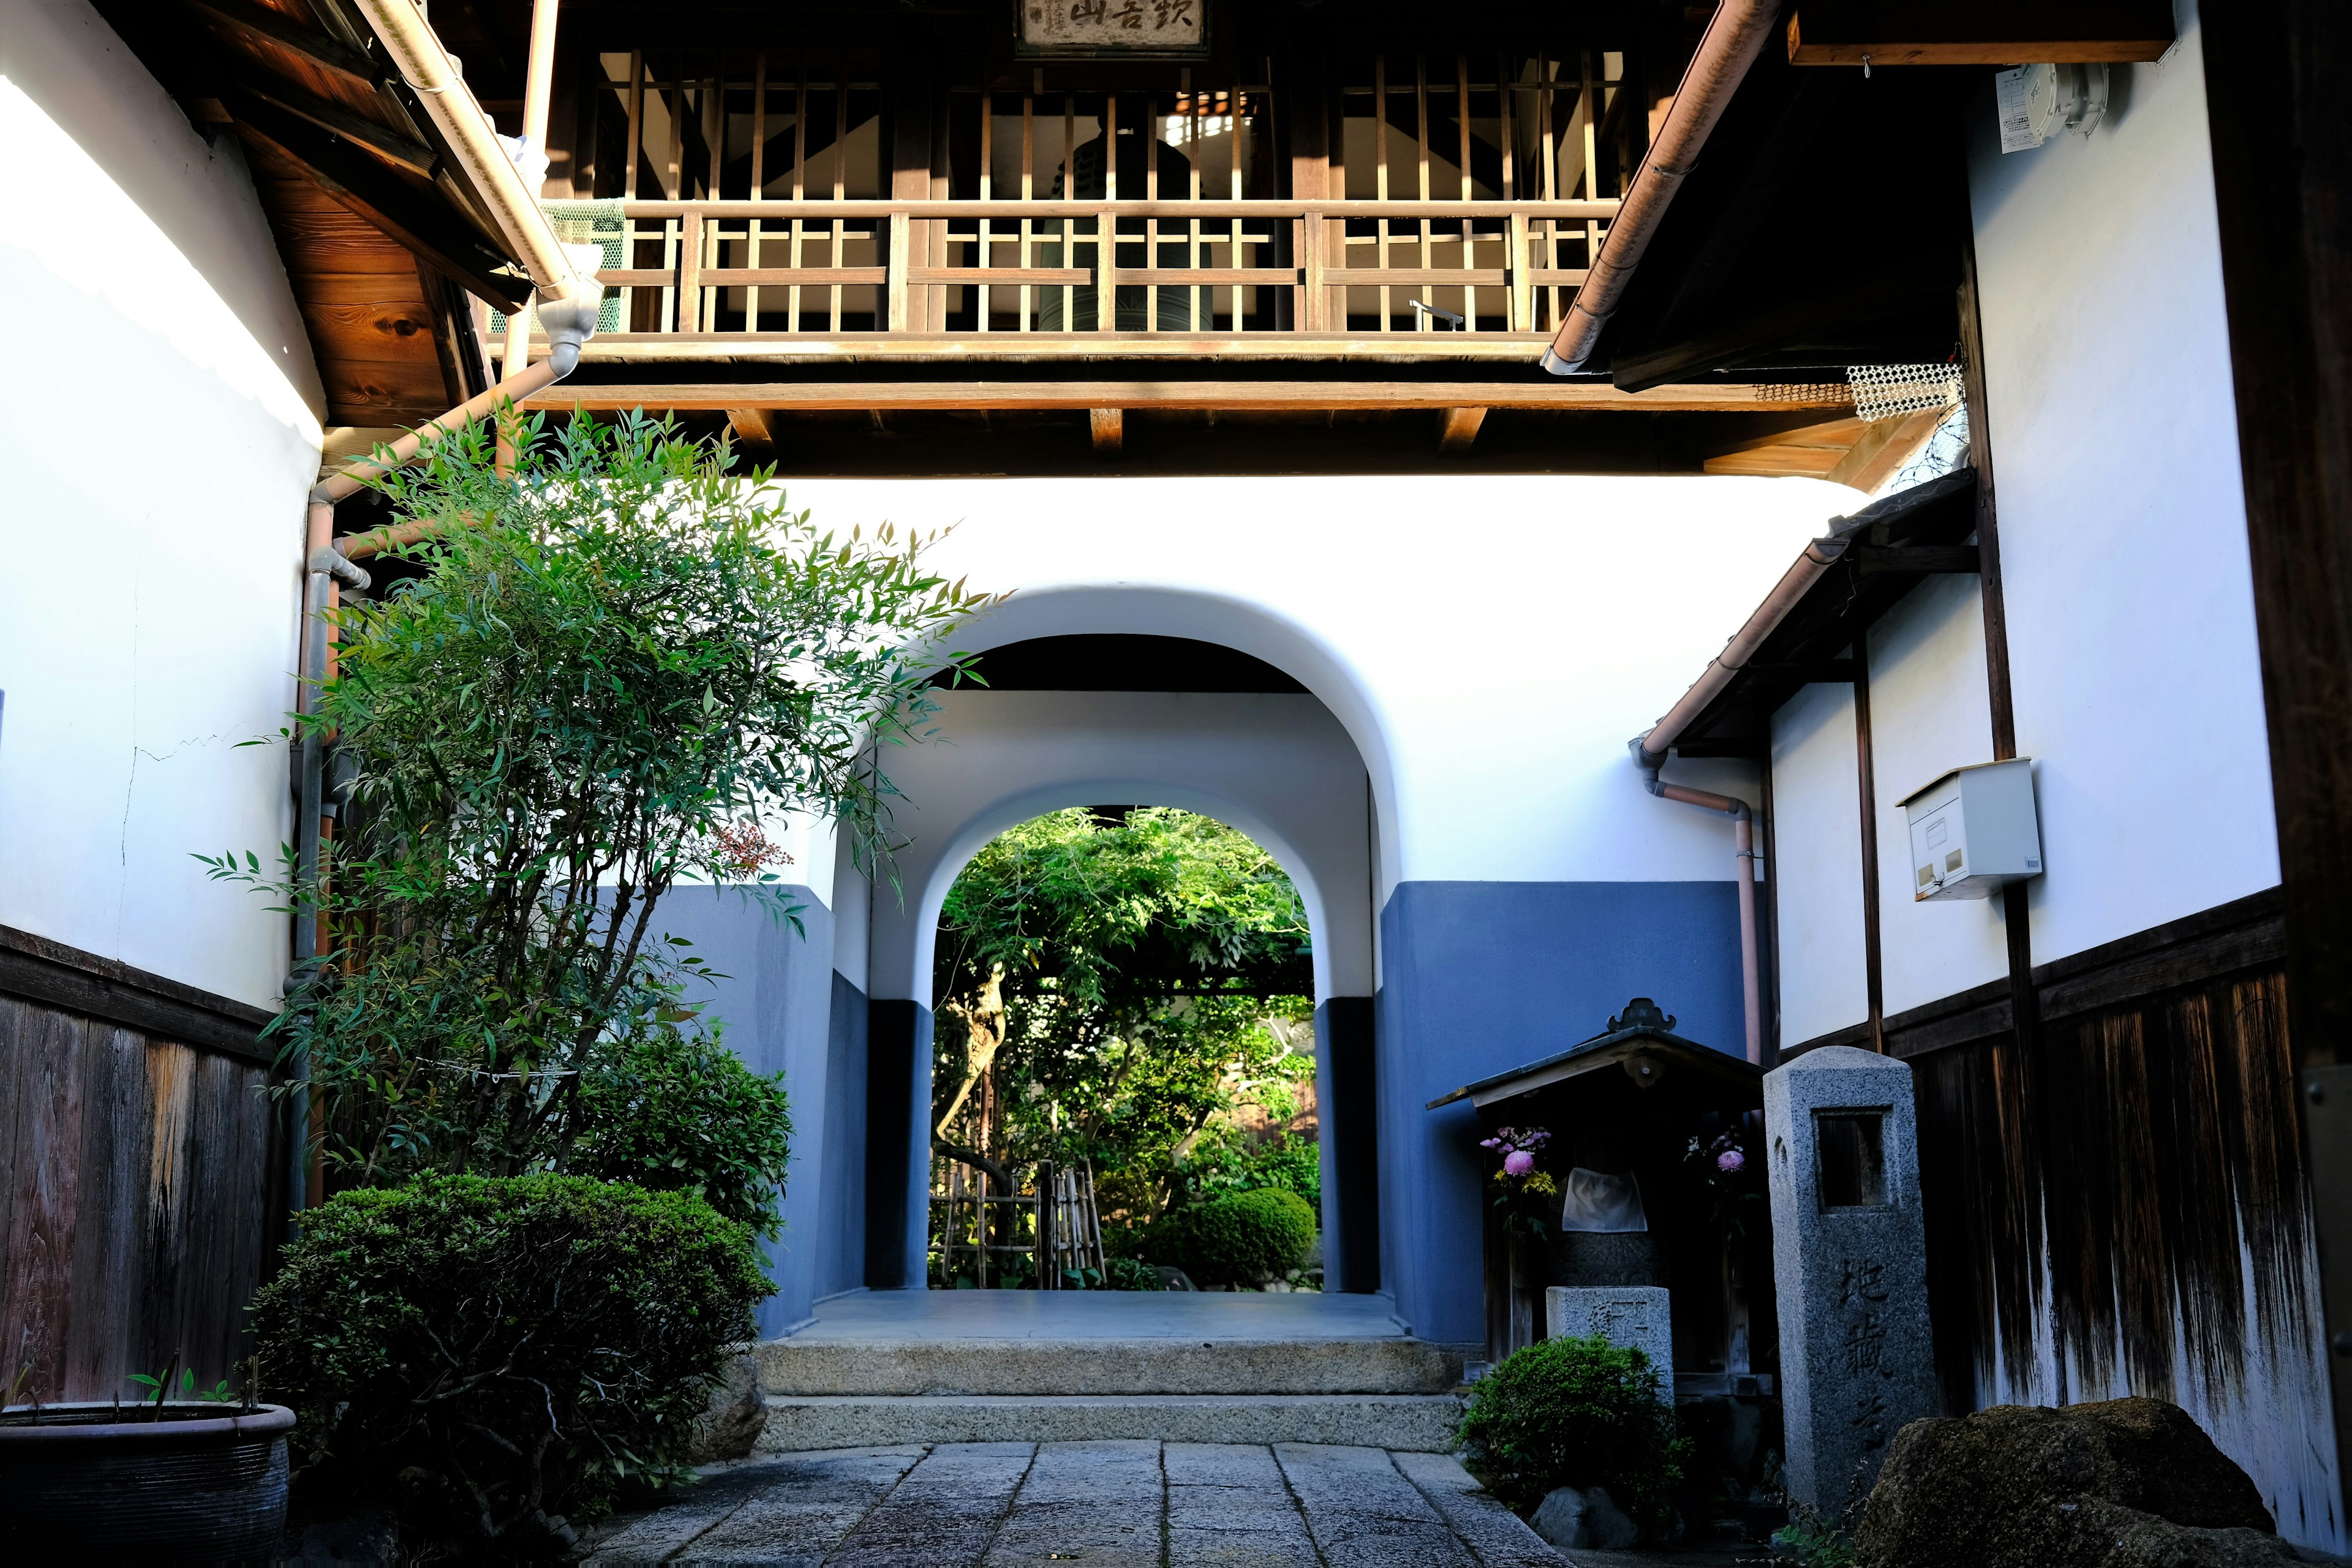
1479	976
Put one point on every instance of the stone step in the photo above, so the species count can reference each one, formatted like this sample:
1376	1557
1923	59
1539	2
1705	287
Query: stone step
802	1367
1416	1422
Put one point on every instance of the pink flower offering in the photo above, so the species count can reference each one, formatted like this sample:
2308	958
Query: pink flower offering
1518	1163
1730	1161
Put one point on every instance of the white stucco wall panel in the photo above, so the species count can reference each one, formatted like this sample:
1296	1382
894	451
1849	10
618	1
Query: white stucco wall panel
1928	714
148	593
2130	599
1816	857
1279	768
1490	675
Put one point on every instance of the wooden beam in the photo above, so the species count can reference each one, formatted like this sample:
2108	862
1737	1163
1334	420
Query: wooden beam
1108	427
2282	146
278	29
965	349
413	218
1810	452
1981	33
1918	560
1460	429
465	369
1222	394
385	143
1884	445
753	432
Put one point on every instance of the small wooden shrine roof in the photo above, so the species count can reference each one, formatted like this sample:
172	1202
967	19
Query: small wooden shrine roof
1641	1041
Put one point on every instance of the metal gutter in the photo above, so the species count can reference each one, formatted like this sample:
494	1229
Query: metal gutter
1735	37
567	302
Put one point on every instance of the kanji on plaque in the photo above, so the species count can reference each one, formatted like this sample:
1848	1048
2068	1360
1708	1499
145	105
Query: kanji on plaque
1086	26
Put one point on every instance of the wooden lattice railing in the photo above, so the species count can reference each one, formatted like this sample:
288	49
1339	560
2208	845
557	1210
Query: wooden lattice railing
1034	271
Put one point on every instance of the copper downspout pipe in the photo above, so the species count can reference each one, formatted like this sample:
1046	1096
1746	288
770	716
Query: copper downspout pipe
539	84
1735	37
327	562
1649	755
567	302
567	310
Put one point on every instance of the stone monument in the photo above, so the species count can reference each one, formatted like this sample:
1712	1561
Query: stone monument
1635	1315
1850	1267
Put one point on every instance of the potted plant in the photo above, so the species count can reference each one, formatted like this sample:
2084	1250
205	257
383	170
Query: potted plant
197	1477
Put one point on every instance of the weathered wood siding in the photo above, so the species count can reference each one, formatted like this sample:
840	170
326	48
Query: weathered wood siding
141	1185
2123	1208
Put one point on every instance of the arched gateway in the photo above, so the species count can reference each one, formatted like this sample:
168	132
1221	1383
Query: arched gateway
1479	891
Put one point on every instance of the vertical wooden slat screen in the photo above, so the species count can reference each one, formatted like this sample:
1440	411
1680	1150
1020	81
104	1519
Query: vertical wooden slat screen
141	1200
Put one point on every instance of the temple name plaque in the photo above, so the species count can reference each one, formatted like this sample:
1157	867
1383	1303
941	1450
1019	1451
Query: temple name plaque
1163	27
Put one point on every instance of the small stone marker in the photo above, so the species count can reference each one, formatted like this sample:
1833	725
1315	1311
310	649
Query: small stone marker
1850	1267
1636	1315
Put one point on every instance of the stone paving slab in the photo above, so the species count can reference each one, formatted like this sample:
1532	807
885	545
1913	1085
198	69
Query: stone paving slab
661	1535
1228	1507
797	1521
1105	1504
1364	1513
946	1510
1090	1502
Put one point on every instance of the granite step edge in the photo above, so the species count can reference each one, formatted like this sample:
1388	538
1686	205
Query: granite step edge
1420	1423
1106	1366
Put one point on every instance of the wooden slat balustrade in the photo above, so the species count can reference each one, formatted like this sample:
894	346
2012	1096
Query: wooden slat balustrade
991	272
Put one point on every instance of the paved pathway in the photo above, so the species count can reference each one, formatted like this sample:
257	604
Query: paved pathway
1109	1505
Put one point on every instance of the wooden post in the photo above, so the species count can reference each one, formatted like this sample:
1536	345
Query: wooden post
2024	1005
910	178
901	244
690	274
1523	290
1317	316
1865	774
2282	181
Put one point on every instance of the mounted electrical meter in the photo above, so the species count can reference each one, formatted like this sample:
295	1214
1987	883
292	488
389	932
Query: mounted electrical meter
1974	831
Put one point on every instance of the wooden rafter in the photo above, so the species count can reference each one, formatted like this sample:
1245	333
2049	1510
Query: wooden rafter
276	27
1981	33
412	217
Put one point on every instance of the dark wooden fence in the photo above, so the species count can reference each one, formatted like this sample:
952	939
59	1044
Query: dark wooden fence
140	1174
2108	1182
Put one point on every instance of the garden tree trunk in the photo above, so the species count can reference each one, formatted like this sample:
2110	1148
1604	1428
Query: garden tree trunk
984	1024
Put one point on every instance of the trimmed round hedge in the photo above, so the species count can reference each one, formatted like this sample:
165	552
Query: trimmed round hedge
492	1357
1246	1238
1575	1412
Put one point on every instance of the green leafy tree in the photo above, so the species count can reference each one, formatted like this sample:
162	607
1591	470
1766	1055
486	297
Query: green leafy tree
1109	988
617	662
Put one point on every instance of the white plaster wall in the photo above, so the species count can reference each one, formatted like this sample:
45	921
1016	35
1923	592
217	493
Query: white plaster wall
2131	617
1816	857
1279	768
1928	713
1489	672
159	425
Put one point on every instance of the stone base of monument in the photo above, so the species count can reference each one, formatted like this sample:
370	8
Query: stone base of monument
1637	1316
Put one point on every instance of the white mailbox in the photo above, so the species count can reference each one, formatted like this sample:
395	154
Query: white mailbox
1973	831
